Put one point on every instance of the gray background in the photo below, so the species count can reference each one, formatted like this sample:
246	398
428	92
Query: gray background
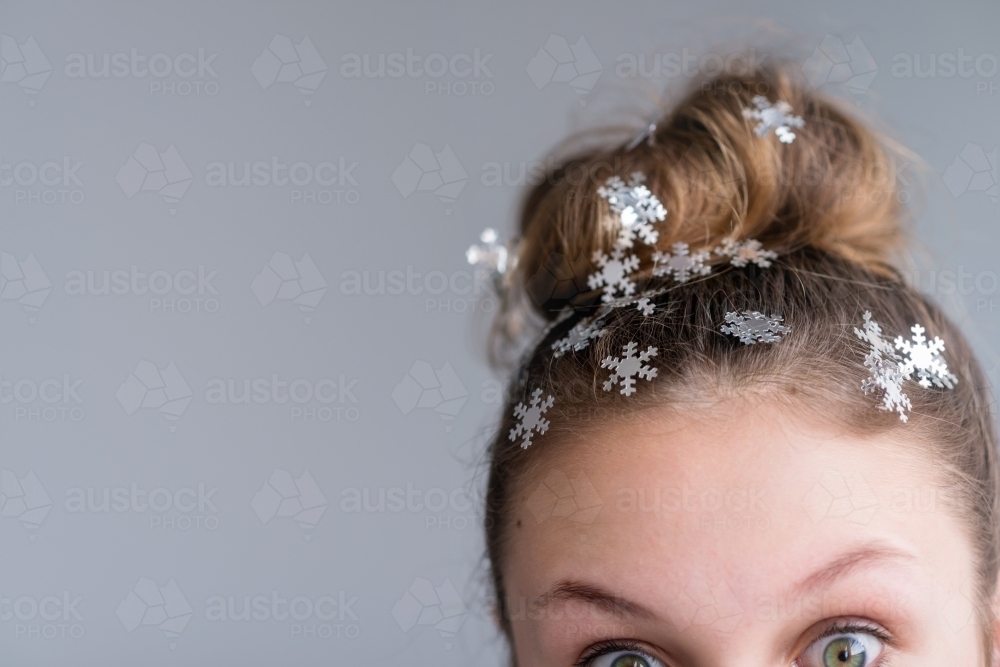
233	329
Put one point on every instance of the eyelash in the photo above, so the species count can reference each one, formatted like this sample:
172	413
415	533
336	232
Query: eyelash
611	647
843	627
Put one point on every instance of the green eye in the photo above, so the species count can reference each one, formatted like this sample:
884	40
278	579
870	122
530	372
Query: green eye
631	660
844	652
843	649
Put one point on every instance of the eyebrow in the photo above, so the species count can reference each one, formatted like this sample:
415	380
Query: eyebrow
866	556
569	590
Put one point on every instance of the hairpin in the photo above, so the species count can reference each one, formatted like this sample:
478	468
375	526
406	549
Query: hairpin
637	208
628	367
742	253
885	372
647	134
681	264
753	327
530	418
491	258
777	117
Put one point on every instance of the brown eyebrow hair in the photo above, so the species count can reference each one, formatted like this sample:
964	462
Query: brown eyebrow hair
569	590
865	556
856	559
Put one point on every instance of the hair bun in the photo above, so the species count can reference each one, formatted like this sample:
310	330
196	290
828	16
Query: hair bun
834	188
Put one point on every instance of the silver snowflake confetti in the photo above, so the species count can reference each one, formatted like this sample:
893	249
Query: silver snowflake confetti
871	333
637	208
629	367
645	306
530	420
887	377
883	363
775	117
923	358
752	327
745	252
681	264
579	337
614	273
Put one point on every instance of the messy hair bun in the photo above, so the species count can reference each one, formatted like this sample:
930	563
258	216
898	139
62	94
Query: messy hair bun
833	189
828	204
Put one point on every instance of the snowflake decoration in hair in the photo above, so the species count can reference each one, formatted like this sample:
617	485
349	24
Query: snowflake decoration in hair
579	337
681	264
887	377
883	363
614	273
645	306
746	252
628	367
775	117
871	333
753	327
637	208
530	420
923	358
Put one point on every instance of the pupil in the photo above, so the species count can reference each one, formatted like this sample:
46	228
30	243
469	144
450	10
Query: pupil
844	655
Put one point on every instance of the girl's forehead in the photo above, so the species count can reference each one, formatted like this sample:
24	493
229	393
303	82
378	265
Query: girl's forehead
659	505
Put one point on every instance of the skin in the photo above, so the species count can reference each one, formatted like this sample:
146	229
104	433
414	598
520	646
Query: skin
746	560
